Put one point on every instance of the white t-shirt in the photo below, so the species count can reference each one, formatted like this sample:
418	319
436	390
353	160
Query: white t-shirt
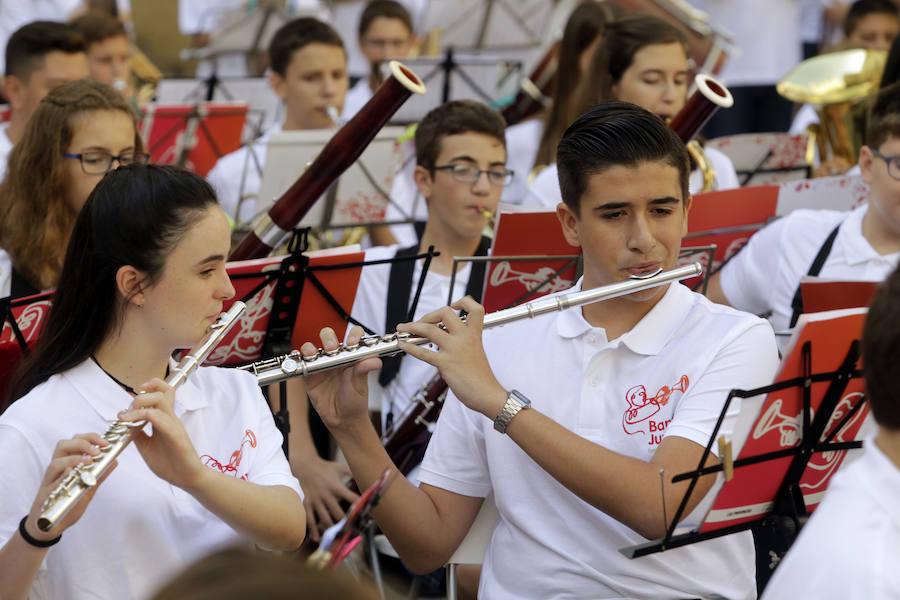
805	117
237	176
5	274
763	277
522	143
138	530
370	306
356	98
6	147
544	190
850	548
548	543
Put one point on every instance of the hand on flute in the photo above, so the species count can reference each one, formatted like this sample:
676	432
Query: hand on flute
460	356
340	395
168	450
80	449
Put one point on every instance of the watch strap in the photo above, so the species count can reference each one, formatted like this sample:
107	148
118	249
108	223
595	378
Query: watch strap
515	403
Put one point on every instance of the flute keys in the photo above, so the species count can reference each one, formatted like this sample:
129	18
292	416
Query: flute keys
87	478
289	365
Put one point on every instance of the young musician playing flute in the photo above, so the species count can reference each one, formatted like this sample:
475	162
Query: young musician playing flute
577	421
144	275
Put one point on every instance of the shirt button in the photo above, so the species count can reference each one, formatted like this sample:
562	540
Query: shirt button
591	338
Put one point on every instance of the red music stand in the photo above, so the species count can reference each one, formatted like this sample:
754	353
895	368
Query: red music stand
21	320
193	136
795	434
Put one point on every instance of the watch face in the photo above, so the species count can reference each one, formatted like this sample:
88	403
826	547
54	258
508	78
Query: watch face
520	398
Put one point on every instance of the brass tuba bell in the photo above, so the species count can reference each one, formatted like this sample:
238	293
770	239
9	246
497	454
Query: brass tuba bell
838	83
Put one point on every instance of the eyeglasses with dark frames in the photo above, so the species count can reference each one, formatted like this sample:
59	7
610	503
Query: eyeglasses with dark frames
98	162
469	174
892	162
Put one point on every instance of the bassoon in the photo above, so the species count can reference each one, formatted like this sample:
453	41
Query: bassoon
273	227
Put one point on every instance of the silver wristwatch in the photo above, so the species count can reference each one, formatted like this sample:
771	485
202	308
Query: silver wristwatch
514	403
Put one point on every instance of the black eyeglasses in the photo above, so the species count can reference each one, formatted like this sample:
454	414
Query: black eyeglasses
893	163
98	162
466	173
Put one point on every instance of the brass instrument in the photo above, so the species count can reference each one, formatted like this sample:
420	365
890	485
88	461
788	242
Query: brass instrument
120	433
838	83
295	364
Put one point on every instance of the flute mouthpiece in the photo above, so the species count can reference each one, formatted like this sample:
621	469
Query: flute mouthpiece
333	114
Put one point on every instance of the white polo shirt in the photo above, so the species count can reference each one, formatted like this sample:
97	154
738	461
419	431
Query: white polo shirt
522	143
763	277
236	177
544	190
850	548
5	274
668	376
356	98
138	530
6	147
369	308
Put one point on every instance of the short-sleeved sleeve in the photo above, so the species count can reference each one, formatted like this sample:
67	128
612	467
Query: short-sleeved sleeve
456	459
747	280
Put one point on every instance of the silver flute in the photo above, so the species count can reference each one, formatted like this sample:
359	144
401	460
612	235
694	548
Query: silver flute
120	433
291	365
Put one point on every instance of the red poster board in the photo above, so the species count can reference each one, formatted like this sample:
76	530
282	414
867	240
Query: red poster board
820	294
778	424
30	314
527	234
198	134
728	218
244	342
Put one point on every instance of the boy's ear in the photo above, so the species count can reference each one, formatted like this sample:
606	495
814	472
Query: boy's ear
422	177
866	163
569	223
276	82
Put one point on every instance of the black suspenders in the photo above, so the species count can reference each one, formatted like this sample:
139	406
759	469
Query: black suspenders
399	288
814	269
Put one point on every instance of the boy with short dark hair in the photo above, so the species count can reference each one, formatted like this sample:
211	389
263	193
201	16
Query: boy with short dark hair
40	56
863	244
385	32
309	74
108	50
606	397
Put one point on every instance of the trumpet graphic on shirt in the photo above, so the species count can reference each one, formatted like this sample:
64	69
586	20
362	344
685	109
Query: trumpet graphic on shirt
641	407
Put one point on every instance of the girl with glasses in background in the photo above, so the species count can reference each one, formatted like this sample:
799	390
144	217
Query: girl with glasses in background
79	131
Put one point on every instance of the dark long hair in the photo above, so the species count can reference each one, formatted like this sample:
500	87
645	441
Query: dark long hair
615	53
135	216
585	25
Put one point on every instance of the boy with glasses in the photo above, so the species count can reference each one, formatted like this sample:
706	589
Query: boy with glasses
860	245
385	32
461	171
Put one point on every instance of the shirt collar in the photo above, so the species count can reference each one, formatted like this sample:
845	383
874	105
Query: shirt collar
882	470
854	246
650	334
106	397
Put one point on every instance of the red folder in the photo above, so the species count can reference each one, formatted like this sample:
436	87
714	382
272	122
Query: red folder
527	234
777	423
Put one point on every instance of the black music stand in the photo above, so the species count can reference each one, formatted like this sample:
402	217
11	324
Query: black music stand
779	526
290	279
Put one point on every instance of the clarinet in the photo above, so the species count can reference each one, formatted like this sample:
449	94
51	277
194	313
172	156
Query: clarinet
120	433
273	227
291	365
406	440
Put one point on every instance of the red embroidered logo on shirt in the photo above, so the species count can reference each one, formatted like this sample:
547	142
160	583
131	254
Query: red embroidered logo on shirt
232	467
636	418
